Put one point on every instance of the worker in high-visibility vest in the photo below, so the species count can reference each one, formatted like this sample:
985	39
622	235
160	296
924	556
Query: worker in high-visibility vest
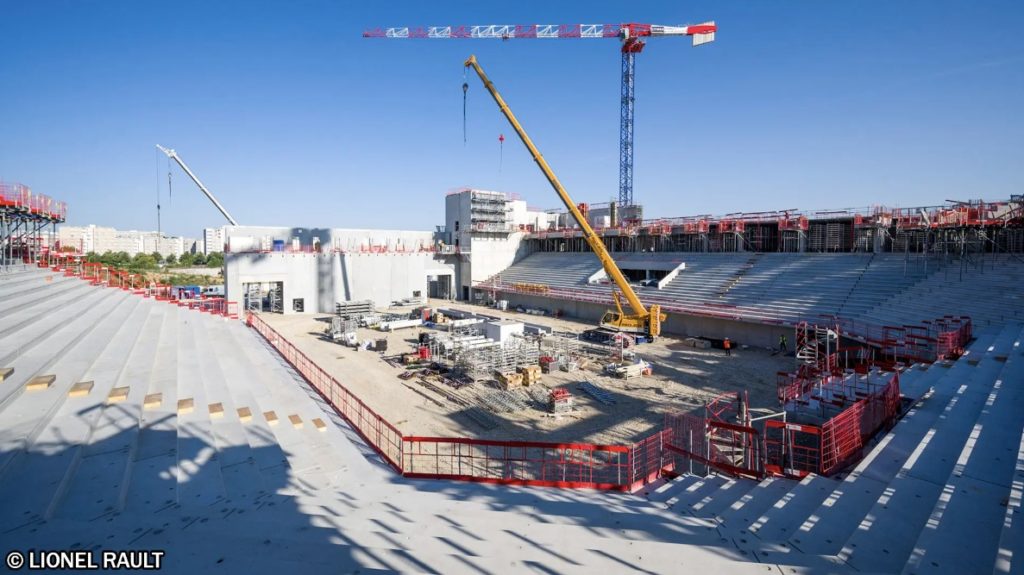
727	346
782	343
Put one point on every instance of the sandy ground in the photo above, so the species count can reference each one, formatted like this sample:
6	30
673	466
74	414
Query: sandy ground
683	378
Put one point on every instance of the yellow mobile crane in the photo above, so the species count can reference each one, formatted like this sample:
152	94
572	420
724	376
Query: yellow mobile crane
642	320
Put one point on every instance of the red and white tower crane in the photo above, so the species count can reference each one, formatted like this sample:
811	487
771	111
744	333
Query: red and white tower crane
632	37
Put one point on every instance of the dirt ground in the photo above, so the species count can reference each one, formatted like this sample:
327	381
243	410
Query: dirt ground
683	379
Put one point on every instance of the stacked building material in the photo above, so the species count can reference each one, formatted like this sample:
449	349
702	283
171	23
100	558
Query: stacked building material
531	374
560	401
354	309
510	380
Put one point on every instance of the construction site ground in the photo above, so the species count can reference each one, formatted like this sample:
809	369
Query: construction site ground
682	379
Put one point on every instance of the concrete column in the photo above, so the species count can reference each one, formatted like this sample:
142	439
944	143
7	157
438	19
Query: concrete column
879	240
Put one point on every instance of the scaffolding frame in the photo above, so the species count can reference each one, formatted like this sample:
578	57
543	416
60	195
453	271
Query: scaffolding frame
25	217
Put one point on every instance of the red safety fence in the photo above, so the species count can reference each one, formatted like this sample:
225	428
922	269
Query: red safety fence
719	445
374	429
21	198
797	449
517	462
98	274
573	465
845	435
791	449
943	338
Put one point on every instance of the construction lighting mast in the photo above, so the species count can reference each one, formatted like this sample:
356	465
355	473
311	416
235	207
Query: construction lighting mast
174	156
641	320
632	37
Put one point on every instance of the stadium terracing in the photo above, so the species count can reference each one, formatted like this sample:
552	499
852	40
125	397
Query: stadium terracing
130	419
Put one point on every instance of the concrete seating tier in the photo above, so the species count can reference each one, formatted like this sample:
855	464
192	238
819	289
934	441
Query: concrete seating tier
168	446
878	288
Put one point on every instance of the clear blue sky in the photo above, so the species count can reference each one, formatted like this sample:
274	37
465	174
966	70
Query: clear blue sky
292	118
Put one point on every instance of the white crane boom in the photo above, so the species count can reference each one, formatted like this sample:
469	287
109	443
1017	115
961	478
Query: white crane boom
174	156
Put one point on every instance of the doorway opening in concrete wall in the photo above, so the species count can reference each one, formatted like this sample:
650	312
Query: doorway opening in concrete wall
264	296
439	286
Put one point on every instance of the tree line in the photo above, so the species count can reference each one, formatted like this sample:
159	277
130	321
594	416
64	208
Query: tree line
151	261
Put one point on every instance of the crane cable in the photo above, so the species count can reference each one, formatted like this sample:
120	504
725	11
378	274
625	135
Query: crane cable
157	155
170	197
465	89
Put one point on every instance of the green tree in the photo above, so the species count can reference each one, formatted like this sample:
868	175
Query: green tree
199	260
215	260
171	260
157	257
92	257
186	260
142	261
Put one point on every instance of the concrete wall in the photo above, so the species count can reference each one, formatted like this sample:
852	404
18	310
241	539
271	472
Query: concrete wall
255	238
740	332
322	279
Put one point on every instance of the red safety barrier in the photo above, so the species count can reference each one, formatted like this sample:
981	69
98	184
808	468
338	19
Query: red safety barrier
374	429
943	338
791	449
845	435
572	465
797	449
720	445
518	462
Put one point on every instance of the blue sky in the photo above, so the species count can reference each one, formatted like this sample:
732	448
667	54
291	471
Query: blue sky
291	118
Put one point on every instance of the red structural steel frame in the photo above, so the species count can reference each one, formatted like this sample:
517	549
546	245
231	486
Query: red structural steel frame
573	465
974	213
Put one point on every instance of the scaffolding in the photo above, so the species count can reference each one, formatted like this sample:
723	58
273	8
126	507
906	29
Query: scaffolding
253	297
276	297
27	219
485	361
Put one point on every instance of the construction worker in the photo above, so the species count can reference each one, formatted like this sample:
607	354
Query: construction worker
782	343
727	346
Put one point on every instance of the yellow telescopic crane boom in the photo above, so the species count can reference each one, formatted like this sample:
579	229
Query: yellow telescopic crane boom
642	320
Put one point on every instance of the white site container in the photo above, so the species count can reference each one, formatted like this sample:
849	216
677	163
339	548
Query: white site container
501	330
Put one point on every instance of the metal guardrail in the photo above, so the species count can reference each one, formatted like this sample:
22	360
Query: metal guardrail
567	465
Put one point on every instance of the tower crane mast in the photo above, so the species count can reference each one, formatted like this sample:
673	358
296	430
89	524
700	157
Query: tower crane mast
632	37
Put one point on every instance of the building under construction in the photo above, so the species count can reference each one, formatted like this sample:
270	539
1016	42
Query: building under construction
788	391
138	420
